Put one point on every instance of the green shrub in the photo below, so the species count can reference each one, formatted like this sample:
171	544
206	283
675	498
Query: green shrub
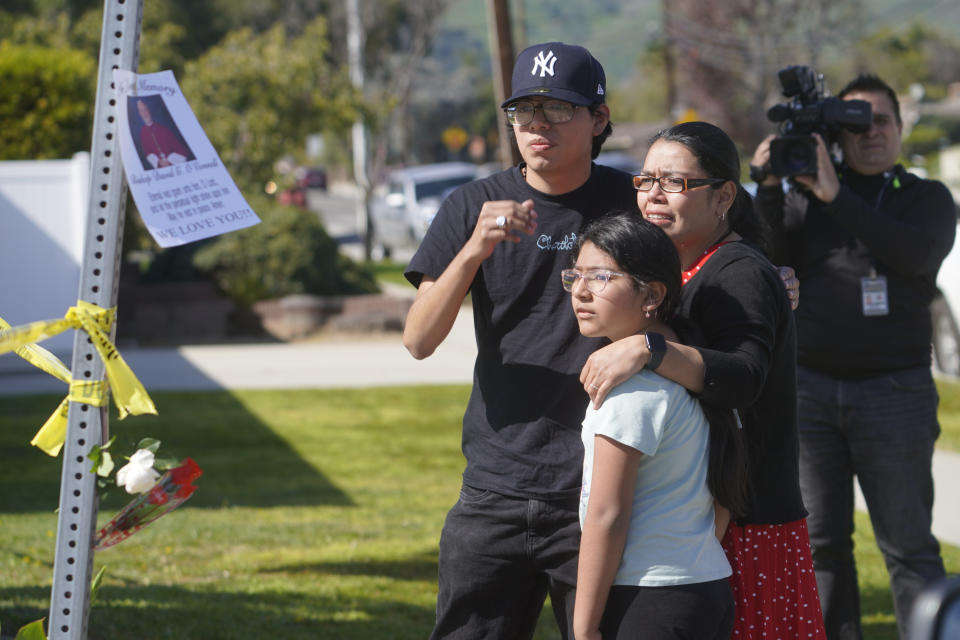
289	252
46	102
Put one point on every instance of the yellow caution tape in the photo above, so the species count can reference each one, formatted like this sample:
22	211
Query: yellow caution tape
128	393
41	358
94	393
53	433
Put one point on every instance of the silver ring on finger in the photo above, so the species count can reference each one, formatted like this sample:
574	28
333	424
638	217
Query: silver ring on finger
593	386
501	222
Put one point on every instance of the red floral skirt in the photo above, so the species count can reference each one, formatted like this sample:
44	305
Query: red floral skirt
773	583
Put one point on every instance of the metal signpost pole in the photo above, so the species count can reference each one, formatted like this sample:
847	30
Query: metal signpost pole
87	425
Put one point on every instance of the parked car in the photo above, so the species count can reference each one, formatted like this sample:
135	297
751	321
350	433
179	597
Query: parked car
408	202
946	312
311	178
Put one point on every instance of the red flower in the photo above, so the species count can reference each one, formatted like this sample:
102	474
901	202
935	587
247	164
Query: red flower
167	494
186	473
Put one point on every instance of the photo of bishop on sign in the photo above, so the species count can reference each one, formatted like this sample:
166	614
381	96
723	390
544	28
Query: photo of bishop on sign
158	139
183	191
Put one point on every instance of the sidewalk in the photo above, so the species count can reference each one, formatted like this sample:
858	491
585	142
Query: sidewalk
360	361
332	361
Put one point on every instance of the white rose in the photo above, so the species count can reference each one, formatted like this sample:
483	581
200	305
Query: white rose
138	475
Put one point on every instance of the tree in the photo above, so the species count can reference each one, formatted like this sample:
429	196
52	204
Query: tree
728	53
46	101
259	96
914	53
49	61
398	35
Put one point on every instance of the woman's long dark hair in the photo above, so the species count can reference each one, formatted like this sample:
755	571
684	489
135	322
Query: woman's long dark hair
644	251
727	470
718	157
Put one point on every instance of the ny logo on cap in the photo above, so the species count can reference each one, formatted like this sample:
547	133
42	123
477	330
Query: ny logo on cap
541	62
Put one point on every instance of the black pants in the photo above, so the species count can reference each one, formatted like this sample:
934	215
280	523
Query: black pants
499	558
702	611
882	431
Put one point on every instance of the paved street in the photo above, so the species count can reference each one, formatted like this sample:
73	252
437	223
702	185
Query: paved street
337	210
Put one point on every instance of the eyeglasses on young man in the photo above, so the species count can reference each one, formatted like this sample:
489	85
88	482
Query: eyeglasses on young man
554	111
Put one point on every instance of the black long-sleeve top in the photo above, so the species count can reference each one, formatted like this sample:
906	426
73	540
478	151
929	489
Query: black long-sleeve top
897	225
749	349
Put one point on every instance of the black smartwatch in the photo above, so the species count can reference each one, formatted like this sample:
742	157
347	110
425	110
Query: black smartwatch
657	346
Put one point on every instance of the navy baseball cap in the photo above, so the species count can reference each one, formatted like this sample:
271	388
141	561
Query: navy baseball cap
560	71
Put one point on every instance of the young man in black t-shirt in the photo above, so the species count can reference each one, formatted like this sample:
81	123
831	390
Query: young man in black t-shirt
512	538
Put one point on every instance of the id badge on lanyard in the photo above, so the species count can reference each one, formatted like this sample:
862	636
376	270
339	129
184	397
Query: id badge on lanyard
873	290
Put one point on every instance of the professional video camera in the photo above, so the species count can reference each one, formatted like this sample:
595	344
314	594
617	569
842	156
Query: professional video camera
794	151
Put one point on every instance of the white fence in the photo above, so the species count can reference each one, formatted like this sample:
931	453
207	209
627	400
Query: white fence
43	207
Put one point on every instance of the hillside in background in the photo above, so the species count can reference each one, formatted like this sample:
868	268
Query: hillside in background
725	66
618	32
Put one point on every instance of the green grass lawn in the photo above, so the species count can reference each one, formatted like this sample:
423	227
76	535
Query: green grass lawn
318	516
949	415
389	271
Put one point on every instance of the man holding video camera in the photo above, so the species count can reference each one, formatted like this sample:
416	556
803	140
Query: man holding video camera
866	238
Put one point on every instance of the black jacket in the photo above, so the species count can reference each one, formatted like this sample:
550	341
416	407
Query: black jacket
749	349
897	225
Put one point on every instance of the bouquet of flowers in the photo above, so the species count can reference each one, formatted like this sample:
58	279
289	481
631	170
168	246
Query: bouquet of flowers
156	495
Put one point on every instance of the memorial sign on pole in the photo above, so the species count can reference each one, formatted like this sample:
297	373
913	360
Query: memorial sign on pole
180	186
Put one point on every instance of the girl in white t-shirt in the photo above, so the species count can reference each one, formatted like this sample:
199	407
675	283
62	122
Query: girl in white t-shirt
650	562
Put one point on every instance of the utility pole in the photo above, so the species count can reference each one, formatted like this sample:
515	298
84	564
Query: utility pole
88	425
365	224
668	66
502	55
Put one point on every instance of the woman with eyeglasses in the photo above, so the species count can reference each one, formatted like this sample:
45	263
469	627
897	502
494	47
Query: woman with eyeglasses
690	188
650	564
